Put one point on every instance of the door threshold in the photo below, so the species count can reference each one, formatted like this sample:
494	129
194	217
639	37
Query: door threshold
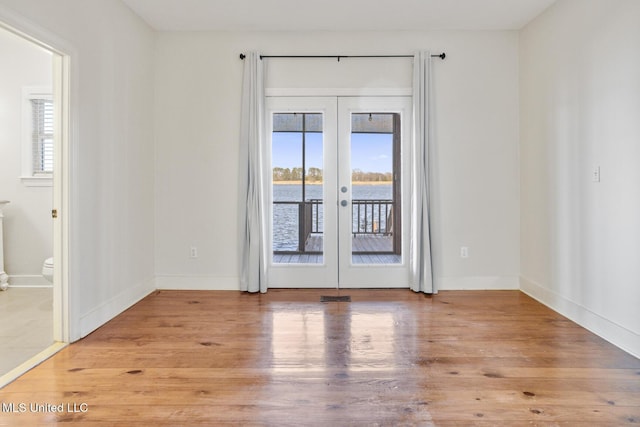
24	367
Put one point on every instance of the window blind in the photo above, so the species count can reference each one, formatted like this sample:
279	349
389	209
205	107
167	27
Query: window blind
42	139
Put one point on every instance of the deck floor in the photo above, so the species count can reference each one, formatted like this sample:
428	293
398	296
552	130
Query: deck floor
369	249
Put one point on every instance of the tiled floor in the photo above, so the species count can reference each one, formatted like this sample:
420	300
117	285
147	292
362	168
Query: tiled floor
26	325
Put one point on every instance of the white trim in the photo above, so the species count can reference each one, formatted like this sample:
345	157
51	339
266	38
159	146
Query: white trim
66	297
319	92
29	281
27	29
67	305
108	310
477	283
197	283
616	334
37	181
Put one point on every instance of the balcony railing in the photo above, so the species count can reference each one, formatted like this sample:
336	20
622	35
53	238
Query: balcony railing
369	217
372	217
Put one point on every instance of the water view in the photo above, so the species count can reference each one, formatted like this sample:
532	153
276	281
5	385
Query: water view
285	216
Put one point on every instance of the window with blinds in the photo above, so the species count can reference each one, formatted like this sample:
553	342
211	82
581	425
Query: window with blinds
42	136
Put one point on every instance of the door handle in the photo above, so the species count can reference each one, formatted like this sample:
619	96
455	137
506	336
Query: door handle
344	203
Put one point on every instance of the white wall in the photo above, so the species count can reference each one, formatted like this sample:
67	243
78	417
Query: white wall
112	213
580	104
28	230
198	89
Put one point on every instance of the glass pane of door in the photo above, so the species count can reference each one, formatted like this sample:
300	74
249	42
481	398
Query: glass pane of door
376	226
298	188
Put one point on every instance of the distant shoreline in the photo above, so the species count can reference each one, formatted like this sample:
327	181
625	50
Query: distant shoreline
320	183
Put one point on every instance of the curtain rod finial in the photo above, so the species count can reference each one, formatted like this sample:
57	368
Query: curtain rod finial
242	56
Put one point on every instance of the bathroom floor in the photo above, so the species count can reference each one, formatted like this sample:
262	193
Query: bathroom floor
26	325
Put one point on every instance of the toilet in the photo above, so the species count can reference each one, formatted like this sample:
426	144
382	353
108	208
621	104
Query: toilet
47	269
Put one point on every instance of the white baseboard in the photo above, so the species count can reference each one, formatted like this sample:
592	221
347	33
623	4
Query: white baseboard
477	283
198	283
617	335
100	315
216	283
29	281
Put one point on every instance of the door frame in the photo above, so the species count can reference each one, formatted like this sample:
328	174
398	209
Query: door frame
337	269
64	155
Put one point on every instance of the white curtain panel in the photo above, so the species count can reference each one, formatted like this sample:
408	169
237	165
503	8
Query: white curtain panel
420	260
253	253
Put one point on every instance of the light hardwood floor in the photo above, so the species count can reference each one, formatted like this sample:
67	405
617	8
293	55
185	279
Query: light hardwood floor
388	358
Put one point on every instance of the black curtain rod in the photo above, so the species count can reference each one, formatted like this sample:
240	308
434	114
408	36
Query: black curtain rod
338	57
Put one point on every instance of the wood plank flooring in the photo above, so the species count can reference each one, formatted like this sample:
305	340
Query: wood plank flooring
359	242
388	358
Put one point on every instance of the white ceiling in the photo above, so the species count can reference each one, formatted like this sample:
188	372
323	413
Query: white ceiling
337	15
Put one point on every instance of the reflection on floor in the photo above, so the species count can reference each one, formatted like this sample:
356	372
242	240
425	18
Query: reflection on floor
26	324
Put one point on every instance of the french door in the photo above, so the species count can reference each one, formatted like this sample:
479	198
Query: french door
338	177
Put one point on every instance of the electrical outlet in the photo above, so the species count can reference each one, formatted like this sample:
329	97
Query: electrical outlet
194	252
464	252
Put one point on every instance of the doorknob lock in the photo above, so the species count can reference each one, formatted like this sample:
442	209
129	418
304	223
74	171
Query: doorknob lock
344	203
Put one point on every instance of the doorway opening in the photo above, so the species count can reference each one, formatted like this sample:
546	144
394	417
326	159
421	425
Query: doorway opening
338	184
34	143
